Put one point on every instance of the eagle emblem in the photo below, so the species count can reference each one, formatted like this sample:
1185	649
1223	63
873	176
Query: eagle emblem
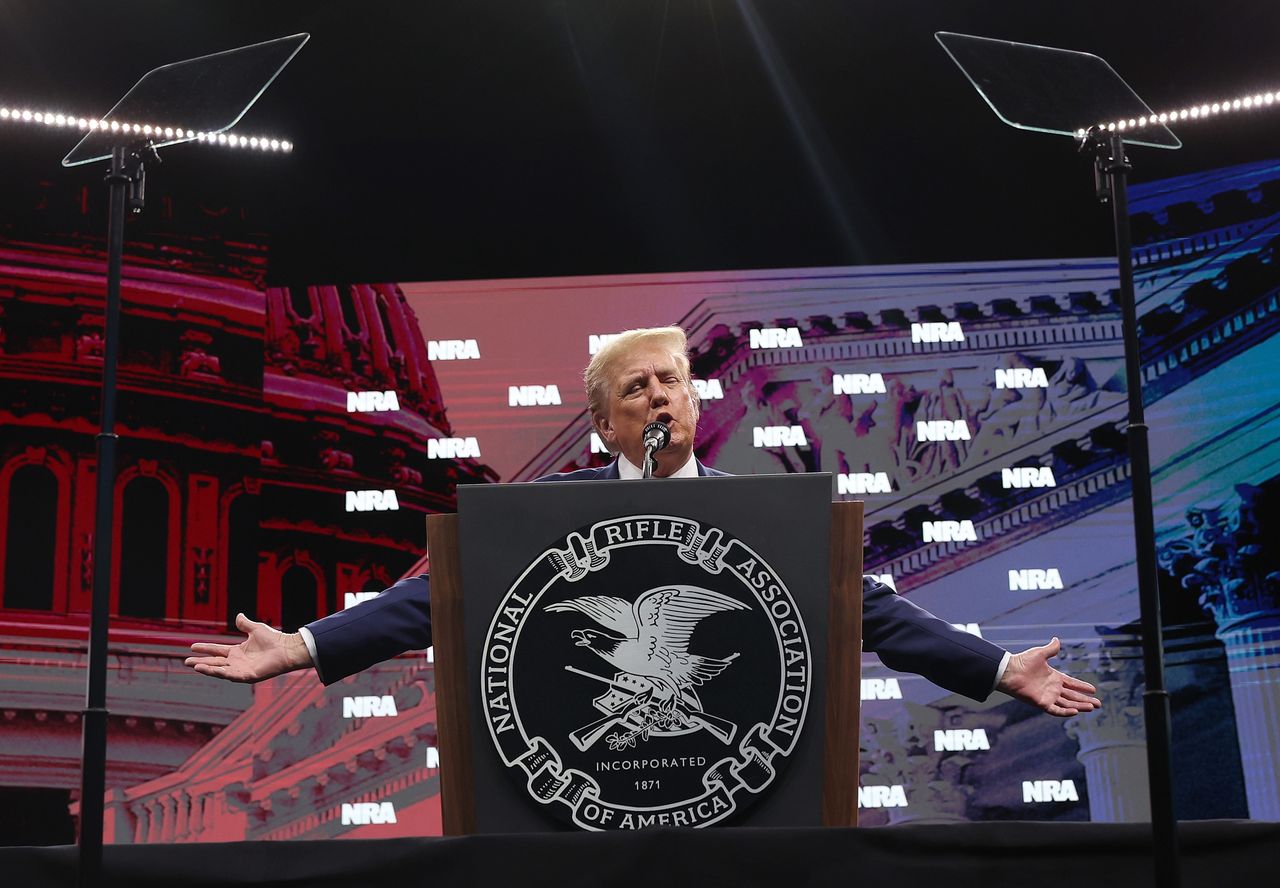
652	690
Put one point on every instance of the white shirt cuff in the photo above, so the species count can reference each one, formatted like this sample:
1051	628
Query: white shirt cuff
1004	664
310	642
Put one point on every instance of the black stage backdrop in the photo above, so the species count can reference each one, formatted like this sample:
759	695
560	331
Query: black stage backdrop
488	139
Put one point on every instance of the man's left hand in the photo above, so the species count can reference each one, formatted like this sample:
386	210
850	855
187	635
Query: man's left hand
1031	679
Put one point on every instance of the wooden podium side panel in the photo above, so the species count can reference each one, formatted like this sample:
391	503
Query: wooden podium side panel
844	668
453	723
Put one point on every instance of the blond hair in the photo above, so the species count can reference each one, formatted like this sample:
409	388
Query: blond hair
599	372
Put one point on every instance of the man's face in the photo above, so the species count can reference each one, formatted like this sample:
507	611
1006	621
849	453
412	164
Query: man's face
646	386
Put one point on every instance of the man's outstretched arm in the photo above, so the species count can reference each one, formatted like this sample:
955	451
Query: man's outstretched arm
910	639
265	653
352	640
341	644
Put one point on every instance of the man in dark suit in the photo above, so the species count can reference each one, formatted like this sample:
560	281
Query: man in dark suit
637	378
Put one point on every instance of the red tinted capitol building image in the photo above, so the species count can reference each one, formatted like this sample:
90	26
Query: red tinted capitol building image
243	456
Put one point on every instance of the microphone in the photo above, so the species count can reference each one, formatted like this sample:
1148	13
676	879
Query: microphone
657	435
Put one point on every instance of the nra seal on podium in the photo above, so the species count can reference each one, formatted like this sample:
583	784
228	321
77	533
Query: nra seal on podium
646	671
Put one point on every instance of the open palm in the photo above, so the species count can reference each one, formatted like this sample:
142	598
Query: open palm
265	653
1031	679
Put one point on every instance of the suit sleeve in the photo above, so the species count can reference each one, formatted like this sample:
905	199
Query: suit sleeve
396	621
910	639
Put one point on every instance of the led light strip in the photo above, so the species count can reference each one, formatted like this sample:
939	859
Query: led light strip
1193	112
91	124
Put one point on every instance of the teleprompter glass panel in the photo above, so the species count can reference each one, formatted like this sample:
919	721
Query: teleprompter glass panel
1050	90
208	94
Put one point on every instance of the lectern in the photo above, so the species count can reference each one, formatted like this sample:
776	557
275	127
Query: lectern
624	655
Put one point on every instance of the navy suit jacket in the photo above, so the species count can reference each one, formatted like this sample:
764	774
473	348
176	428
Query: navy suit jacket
907	638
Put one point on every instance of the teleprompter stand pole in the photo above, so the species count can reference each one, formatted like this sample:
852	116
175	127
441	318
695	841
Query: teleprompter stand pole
210	94
125	184
1111	169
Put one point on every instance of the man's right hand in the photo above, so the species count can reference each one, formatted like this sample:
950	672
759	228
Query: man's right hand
264	654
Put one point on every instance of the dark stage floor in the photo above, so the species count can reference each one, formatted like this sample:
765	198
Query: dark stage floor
1214	853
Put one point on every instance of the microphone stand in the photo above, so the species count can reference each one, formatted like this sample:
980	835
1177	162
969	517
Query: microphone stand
650	460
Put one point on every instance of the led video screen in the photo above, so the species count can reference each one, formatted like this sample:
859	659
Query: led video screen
281	446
